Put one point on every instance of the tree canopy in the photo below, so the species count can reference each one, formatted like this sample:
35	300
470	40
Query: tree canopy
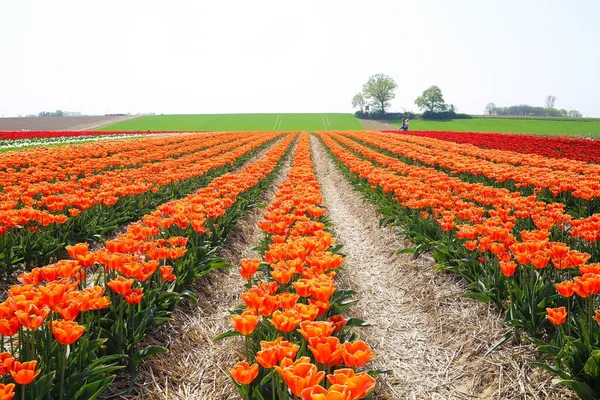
359	101
431	100
379	89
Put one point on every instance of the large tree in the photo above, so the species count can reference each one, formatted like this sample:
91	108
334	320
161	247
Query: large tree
550	100
359	101
490	109
431	100
379	89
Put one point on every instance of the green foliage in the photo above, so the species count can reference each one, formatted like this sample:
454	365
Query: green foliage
431	100
379	89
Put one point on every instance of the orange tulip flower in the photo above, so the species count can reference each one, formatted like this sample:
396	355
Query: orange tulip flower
310	329
286	321
249	267
34	318
77	250
244	373
7	392
356	354
66	332
267	358
134	296
339	322
121	285
326	350
6	362
556	316
565	289
299	374
508	268
360	384
245	324
24	373
334	392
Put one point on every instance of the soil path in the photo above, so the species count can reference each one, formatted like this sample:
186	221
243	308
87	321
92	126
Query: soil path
60	123
196	367
431	338
372	125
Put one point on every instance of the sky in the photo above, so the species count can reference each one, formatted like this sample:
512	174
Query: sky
226	56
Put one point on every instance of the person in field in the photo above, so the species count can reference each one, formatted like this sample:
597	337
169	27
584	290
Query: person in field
404	126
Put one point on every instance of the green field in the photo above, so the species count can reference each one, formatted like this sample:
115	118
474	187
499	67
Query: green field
510	125
237	122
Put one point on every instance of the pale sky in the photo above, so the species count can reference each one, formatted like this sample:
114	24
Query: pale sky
225	56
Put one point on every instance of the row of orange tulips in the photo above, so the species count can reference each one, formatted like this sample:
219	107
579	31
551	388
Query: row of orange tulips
295	335
122	197
70	326
540	173
540	283
24	203
585	231
20	169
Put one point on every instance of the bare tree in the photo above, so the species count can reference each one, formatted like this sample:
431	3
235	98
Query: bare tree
490	109
550	101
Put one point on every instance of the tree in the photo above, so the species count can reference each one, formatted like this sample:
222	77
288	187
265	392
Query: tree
550	100
379	89
359	101
575	114
490	109
431	100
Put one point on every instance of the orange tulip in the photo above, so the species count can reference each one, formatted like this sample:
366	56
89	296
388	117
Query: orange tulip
508	268
299	374
134	296
334	392
245	324
249	268
6	362
66	332
556	316
244	373
326	350
7	392
310	329
76	250
267	358
120	285
565	289
34	318
339	321
286	321
24	373
356	354
360	384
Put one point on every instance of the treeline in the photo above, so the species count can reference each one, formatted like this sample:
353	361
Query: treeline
430	115
524	110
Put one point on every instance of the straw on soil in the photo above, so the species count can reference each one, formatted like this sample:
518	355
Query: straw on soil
431	338
196	367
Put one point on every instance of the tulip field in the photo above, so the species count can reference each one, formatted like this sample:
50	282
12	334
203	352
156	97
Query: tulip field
106	238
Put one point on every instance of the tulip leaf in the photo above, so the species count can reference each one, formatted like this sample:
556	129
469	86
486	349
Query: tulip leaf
42	385
592	365
584	391
149	351
551	369
377	372
267	378
357	322
227	334
93	389
477	296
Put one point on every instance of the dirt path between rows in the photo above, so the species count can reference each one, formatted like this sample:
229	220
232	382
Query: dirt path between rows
196	367
431	338
372	125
